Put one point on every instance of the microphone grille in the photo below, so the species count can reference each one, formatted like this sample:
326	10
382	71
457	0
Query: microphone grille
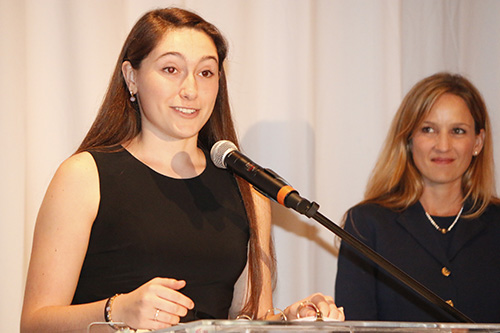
219	152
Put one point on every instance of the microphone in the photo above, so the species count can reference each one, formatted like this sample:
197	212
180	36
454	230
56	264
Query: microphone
225	155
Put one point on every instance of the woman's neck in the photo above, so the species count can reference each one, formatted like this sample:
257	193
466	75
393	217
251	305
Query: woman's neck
175	158
442	200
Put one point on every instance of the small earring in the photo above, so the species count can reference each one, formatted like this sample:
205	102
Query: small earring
476	153
409	145
132	97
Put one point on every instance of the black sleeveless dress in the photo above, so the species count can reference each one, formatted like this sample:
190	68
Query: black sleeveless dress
149	225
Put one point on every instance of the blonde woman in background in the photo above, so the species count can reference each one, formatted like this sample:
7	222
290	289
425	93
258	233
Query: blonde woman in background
430	208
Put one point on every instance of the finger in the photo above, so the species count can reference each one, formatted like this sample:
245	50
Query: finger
322	304
173	308
170	293
341	316
306	311
172	283
174	302
326	305
165	318
333	311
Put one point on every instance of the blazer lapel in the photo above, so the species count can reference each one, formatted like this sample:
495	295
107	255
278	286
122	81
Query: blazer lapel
466	230
416	224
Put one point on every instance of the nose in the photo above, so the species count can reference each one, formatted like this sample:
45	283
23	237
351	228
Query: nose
443	142
189	88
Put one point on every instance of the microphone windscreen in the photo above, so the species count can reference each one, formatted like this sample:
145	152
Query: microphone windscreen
219	152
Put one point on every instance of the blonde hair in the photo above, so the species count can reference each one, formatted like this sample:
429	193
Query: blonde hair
396	183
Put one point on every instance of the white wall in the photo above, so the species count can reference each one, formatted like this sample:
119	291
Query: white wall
313	85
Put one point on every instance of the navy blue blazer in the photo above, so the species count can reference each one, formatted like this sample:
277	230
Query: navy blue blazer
467	272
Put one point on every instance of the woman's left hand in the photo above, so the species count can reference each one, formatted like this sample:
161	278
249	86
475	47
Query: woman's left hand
307	308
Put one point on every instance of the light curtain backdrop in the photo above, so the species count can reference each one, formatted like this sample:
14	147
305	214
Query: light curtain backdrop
313	86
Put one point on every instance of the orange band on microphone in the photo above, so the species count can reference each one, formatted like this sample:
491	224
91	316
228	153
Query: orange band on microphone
283	192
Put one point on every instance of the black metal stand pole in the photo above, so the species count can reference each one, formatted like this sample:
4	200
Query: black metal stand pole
312	212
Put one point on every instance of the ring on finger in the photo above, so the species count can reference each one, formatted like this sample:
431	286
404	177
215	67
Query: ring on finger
319	314
156	314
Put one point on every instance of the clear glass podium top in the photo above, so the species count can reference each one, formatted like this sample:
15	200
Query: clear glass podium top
257	326
209	326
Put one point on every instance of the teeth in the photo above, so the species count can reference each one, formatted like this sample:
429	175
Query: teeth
185	110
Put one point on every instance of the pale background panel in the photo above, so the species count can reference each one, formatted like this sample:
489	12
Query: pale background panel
313	86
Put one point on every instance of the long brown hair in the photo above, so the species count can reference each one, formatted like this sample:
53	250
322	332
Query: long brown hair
119	120
396	183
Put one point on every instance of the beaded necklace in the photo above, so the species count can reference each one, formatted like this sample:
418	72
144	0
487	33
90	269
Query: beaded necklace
443	230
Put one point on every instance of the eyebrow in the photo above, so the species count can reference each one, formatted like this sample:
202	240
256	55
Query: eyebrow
427	122
178	54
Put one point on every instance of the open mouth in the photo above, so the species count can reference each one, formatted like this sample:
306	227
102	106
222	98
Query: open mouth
185	110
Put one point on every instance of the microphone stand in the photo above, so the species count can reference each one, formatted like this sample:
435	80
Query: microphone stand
224	154
310	209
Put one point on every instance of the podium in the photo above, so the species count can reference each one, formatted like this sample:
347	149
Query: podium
256	326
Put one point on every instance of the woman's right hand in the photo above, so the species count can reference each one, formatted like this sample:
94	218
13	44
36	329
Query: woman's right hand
318	302
154	305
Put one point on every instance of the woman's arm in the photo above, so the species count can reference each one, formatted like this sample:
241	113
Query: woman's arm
60	243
